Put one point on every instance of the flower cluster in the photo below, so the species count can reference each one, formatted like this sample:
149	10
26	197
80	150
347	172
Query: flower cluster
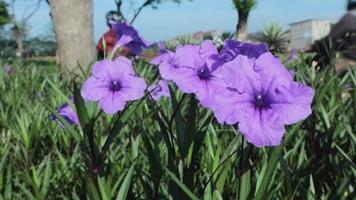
192	69
243	84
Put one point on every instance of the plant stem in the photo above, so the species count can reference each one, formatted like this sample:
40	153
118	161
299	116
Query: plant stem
240	169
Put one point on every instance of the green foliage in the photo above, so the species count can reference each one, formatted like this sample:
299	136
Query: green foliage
168	149
275	37
4	15
244	6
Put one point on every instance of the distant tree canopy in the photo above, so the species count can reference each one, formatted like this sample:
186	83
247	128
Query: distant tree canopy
4	14
243	8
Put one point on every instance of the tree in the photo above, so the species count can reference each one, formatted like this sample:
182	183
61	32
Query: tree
276	38
20	27
73	25
4	14
243	8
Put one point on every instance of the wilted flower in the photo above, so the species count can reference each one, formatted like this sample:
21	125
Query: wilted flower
129	37
261	97
67	113
233	48
159	90
162	47
113	83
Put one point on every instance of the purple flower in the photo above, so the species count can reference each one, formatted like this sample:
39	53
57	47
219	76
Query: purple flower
159	90
129	37
233	48
162	47
192	71
8	68
293	55
67	113
112	84
168	64
261	97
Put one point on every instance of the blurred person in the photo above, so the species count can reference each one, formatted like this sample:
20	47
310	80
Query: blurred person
110	36
341	40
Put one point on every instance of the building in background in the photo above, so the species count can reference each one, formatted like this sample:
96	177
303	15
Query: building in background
304	33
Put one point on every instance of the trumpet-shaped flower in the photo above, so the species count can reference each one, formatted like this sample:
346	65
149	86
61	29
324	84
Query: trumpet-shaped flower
67	113
168	64
129	37
112	84
261	97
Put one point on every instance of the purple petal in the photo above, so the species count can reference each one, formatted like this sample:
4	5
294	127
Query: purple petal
262	128
293	104
133	88
94	89
188	56
165	57
239	74
125	64
168	71
159	90
69	114
112	103
187	80
272	72
229	106
206	91
207	49
99	69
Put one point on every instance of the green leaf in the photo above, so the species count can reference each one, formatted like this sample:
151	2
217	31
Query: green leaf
118	125
80	107
288	179
92	192
181	185
245	185
125	186
102	188
190	130
272	165
180	126
153	161
47	177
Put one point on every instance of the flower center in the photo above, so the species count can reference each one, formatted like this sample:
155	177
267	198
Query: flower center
204	73
262	101
115	86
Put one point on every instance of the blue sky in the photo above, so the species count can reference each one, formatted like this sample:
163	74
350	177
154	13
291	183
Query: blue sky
170	19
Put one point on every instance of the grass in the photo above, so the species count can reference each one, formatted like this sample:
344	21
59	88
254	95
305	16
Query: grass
40	160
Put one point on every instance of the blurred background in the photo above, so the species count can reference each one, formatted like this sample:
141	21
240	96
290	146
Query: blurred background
166	20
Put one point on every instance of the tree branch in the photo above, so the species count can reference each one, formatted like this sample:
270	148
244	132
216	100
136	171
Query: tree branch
138	11
36	7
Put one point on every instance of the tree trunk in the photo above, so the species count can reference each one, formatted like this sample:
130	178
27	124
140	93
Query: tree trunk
241	28
19	38
73	25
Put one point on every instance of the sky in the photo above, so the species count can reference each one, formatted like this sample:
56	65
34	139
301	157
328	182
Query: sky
170	19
